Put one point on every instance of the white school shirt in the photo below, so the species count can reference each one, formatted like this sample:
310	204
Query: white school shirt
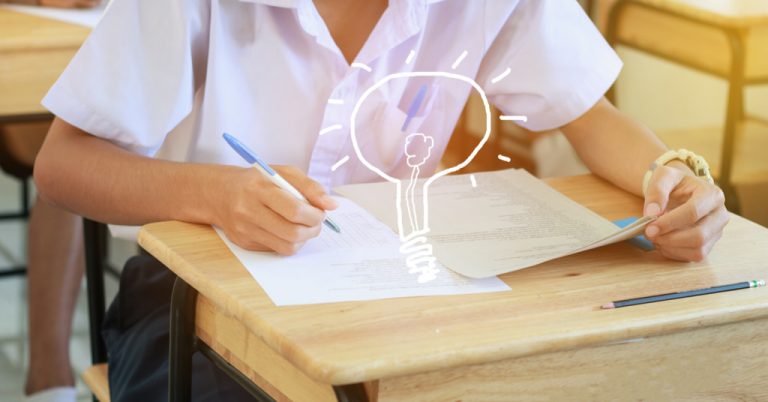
167	78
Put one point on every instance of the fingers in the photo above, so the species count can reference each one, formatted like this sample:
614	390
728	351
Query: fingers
291	209
289	231
312	190
258	214
254	226
255	238
689	254
703	201
690	231
663	181
691	214
697	236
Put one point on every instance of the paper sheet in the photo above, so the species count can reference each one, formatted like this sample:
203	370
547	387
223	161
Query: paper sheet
510	221
360	263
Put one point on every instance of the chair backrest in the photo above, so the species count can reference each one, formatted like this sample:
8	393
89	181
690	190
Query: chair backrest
8	160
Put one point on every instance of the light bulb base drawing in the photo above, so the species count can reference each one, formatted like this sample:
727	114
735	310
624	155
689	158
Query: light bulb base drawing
419	257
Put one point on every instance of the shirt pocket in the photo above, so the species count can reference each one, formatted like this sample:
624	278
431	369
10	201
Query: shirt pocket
384	145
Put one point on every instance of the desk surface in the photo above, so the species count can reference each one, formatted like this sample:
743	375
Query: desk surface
20	31
722	12
33	52
551	307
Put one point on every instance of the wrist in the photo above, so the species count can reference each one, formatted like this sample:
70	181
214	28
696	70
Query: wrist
683	160
680	165
209	187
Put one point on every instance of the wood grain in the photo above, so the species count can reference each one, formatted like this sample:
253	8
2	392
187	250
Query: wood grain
270	371
717	363
33	53
97	379
552	307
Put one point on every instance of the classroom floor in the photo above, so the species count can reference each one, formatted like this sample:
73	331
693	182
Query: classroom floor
13	313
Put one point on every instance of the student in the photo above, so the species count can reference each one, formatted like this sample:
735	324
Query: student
142	107
54	267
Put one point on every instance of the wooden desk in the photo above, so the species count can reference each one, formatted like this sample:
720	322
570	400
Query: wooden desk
546	339
33	53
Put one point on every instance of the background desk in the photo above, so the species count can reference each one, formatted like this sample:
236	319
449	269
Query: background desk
546	339
33	53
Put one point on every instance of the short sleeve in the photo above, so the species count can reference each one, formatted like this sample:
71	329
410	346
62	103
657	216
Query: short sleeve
559	64
135	77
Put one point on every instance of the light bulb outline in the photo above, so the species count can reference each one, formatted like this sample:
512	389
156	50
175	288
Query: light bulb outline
437	175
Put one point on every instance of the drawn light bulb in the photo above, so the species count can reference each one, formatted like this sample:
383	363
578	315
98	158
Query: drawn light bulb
413	226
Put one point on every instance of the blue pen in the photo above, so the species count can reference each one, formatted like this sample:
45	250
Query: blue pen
251	158
415	106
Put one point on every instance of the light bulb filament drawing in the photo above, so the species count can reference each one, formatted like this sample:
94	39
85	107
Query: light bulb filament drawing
419	257
418	148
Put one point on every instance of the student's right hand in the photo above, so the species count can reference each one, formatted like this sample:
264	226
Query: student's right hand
258	215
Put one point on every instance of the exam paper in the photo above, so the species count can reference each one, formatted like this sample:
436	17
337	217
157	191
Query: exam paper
510	221
363	262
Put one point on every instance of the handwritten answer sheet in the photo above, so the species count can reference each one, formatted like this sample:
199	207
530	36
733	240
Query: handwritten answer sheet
509	221
363	262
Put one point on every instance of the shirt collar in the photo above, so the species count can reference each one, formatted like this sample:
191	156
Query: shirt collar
295	3
276	3
410	15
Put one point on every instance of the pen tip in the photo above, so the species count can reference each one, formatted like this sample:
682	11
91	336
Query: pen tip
332	226
607	306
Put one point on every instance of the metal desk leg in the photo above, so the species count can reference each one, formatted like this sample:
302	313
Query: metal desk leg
95	246
182	342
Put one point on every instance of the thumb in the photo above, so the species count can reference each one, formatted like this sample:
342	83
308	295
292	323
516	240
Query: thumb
663	181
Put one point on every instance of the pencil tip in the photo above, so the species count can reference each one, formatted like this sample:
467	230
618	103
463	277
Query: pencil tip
607	306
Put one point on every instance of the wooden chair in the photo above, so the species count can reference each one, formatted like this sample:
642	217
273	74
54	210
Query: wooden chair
507	139
727	39
21	171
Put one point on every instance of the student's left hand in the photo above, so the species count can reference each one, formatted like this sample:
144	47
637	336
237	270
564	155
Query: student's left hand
691	213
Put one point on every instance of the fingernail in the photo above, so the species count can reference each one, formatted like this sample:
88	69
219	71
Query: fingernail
652	209
330	202
652	231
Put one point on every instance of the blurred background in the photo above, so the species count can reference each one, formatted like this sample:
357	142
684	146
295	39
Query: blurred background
695	72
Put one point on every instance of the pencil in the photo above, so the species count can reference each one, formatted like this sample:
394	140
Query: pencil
681	295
